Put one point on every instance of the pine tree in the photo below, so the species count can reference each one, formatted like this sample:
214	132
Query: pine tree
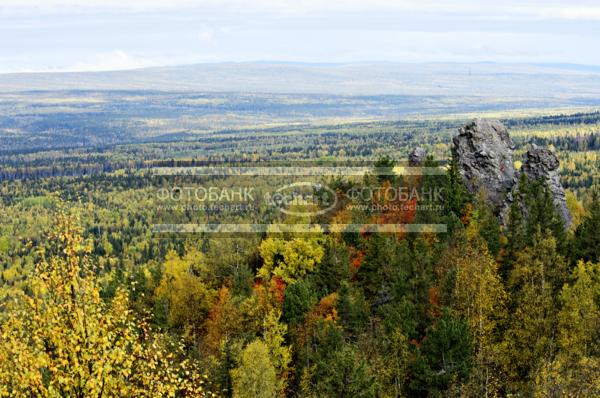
299	298
532	211
445	357
380	257
342	373
352	309
541	213
384	167
489	227
333	269
456	194
516	236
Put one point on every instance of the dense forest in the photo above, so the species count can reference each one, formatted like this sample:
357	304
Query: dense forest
95	302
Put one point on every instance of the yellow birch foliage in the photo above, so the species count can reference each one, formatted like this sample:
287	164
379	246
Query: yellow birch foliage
187	297
63	340
289	260
255	377
575	369
480	298
281	355
530	337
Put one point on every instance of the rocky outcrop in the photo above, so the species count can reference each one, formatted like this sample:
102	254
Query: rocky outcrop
484	153
416	157
542	164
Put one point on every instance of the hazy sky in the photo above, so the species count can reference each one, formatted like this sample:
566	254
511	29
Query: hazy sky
121	34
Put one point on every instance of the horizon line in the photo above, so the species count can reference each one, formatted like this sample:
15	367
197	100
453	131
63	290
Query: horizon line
305	63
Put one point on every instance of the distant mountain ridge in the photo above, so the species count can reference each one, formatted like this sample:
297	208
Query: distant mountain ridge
447	79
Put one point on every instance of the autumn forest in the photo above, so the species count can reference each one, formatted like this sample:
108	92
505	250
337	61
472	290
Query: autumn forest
106	289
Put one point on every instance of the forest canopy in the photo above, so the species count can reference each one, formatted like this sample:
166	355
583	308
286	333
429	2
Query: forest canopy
95	302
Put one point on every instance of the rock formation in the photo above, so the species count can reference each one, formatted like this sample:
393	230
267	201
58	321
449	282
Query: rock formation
484	153
416	157
542	164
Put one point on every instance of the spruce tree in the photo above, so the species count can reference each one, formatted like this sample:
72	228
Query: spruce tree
445	357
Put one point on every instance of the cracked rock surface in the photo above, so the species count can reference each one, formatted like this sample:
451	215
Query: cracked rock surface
542	164
484	152
417	157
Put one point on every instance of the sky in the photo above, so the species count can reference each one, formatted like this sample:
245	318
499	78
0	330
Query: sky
94	35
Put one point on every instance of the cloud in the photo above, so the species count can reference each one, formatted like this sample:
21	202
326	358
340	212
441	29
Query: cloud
100	61
577	9
126	34
114	60
206	34
572	13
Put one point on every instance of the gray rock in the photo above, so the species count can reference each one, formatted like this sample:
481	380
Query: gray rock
484	152
542	164
416	157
